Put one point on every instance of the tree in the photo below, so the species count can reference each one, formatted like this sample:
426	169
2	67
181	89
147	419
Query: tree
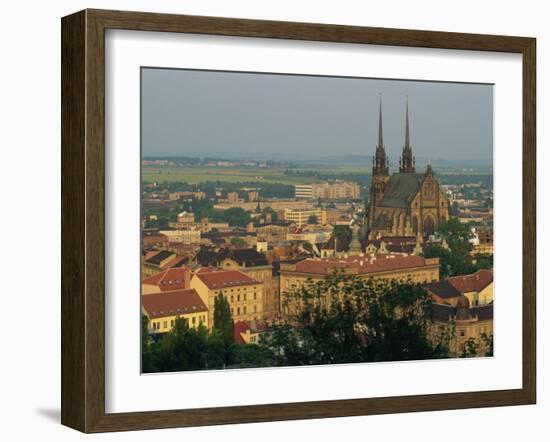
343	235
488	342
456	259
223	322
269	211
147	365
457	235
470	349
344	319
312	219
236	216
238	242
483	261
183	348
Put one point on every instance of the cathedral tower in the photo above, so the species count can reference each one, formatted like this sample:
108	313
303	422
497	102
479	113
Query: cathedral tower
380	161
407	161
380	169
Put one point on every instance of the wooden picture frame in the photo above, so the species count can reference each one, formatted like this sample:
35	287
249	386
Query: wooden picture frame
83	220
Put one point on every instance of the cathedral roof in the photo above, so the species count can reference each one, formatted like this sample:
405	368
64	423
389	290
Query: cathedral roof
401	189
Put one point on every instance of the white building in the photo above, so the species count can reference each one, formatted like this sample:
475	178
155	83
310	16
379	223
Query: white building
184	236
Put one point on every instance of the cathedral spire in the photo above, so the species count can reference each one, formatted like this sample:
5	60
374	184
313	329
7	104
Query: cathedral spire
380	134
380	161
407	161
407	136
429	171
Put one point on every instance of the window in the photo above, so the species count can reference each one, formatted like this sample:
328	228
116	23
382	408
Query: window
193	320
165	324
172	323
461	332
254	308
254	296
238	310
244	310
244	296
231	298
238	298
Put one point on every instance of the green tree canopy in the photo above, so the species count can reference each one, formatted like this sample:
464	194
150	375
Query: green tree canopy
342	234
236	216
344	319
238	242
312	219
223	322
457	258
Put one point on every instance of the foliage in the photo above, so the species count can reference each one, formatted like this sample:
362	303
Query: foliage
457	258
470	349
457	235
183	348
343	235
344	319
312	219
488	342
483	261
223	322
238	242
269	211
252	355
235	216
147	364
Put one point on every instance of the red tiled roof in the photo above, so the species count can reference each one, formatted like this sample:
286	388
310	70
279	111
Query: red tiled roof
178	302
169	280
238	328
225	278
241	327
361	264
472	283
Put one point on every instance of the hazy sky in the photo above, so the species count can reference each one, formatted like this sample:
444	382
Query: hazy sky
198	113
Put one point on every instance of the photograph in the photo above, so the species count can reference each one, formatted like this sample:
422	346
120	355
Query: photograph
294	220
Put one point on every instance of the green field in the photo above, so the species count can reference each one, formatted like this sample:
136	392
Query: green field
301	175
195	175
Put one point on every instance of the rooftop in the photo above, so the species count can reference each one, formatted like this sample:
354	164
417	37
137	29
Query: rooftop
475	282
171	279
361	264
444	312
401	189
159	257
178	302
444	289
225	278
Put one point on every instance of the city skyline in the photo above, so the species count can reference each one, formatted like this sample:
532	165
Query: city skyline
281	117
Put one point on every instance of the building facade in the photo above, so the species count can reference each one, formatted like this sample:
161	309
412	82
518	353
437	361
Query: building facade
183	236
301	217
243	293
162	309
390	267
328	191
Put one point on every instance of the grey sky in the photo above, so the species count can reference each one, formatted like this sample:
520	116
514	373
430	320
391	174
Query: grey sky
198	113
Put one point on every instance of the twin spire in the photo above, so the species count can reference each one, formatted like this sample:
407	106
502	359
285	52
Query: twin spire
380	161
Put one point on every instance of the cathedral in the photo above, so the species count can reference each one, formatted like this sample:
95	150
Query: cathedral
404	203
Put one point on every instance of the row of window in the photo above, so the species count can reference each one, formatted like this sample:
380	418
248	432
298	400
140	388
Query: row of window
244	310
157	325
238	296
